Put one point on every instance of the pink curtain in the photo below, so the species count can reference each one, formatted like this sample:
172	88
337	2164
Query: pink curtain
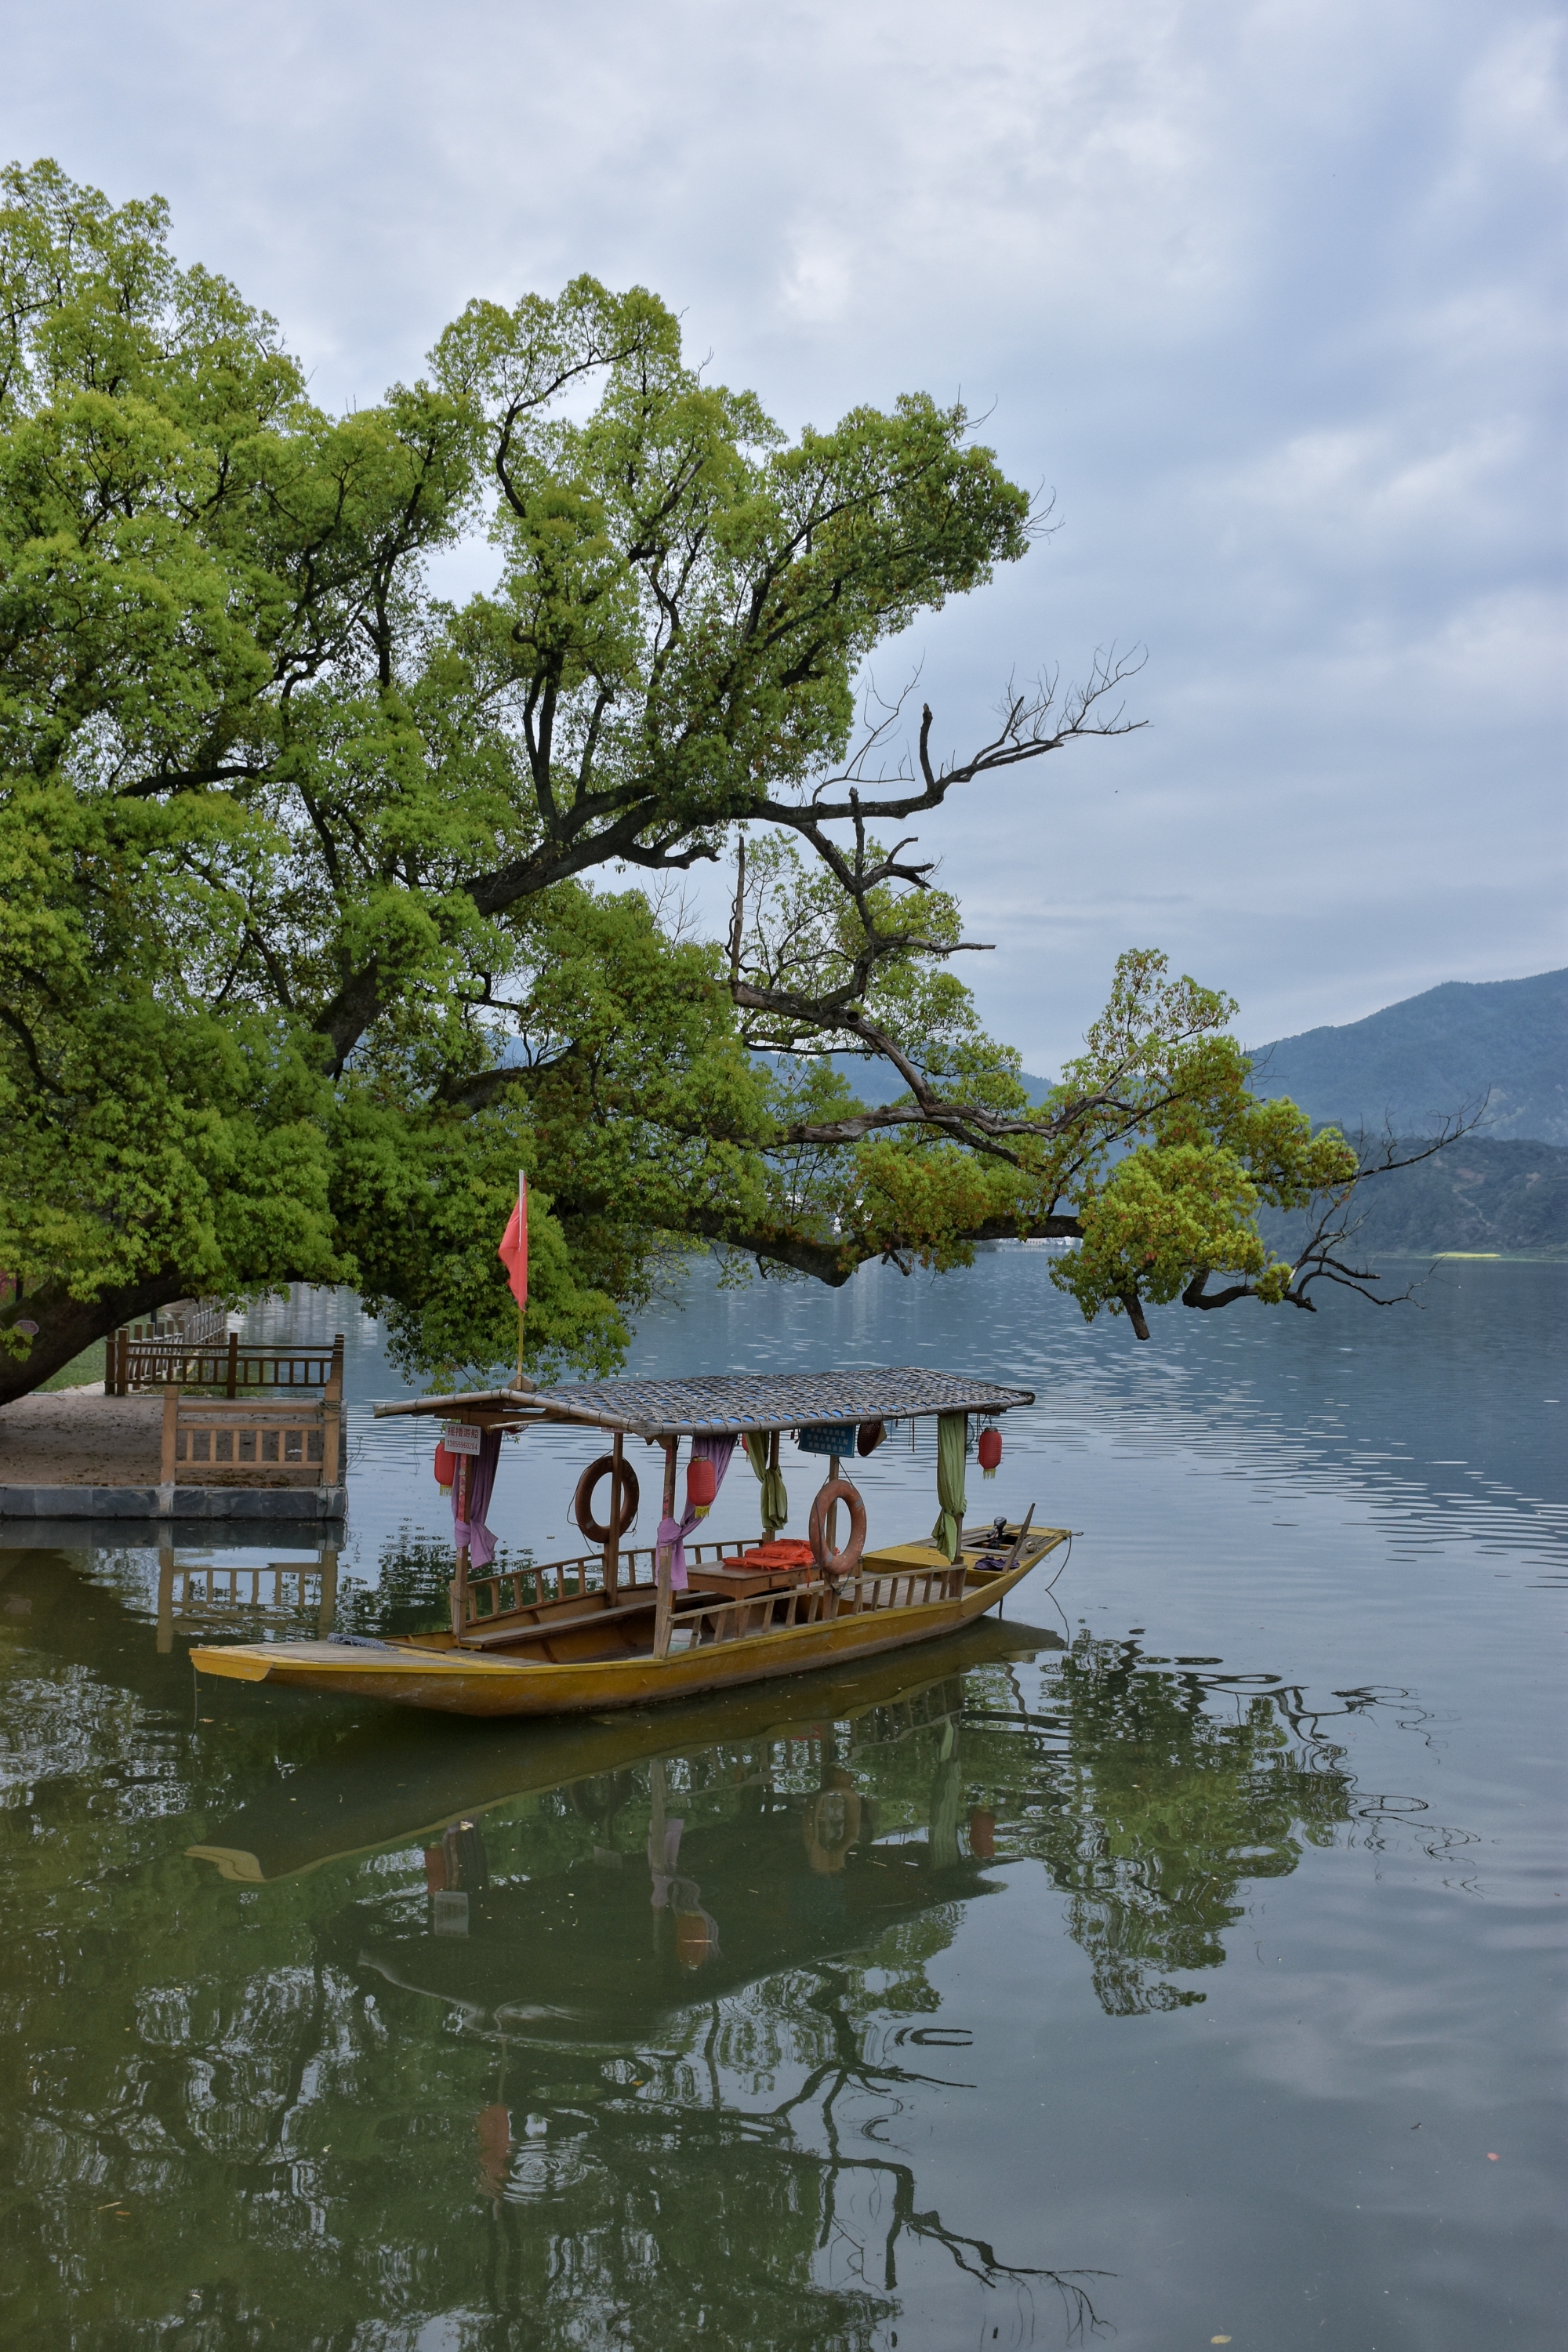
674	1532
472	1530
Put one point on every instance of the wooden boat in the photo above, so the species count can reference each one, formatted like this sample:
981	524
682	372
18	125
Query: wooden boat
614	1629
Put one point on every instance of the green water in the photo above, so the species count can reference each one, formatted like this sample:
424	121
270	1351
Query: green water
1174	1964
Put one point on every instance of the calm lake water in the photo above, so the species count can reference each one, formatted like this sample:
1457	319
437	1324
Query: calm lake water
1173	1964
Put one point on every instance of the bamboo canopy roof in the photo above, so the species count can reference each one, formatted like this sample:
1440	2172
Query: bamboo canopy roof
731	1403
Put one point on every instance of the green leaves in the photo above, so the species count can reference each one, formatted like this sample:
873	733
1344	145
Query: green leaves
1174	1155
300	957
162	1140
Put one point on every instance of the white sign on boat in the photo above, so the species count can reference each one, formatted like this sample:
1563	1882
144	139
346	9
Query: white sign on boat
461	1436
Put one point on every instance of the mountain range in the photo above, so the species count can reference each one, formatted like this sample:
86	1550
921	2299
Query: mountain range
1419	1062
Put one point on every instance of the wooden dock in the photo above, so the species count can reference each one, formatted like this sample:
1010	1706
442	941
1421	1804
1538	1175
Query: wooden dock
245	1452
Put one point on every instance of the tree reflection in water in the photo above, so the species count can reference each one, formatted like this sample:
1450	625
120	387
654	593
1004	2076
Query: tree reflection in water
1151	1808
762	1916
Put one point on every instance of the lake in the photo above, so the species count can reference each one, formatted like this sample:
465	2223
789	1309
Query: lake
1173	1963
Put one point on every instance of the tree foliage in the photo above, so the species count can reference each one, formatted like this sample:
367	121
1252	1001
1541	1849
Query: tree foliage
316	921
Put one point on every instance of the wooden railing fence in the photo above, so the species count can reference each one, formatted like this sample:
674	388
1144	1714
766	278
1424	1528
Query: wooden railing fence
763	1613
195	1592
294	1444
227	1363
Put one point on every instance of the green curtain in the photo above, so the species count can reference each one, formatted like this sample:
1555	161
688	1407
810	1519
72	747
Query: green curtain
951	1437
776	1502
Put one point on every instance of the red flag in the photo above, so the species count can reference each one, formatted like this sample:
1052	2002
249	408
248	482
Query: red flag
513	1251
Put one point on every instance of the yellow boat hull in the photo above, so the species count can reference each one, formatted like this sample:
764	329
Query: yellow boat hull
431	1671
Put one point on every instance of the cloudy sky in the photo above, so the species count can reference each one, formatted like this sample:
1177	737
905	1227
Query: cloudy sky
1268	295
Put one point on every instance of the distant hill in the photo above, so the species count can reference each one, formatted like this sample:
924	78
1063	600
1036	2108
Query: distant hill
877	1083
1415	1062
1477	1194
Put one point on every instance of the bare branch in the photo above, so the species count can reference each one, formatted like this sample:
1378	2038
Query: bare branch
1031	726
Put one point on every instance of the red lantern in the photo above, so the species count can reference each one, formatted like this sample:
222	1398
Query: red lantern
990	1451
701	1485
445	1468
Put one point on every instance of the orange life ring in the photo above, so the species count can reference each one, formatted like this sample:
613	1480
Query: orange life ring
837	1564
832	1826
583	1500
695	1937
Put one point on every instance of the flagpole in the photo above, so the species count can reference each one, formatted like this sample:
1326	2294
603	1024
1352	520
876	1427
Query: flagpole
519	1306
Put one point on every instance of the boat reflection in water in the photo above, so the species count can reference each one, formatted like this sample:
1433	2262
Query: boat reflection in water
697	1946
673	1898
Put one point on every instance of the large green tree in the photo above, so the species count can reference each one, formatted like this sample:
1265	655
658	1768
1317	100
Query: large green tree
326	903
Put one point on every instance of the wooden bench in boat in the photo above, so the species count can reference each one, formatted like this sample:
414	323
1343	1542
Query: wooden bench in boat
570	1617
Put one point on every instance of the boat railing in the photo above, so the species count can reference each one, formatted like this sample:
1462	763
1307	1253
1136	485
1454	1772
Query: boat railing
760	1612
511	1587
906	1588
808	1603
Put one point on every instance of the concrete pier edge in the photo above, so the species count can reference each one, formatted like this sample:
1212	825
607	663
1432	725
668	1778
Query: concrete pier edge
313	1503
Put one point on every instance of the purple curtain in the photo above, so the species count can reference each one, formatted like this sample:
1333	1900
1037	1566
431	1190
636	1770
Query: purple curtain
674	1532
472	1530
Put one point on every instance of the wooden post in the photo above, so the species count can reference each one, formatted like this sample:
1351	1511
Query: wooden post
331	1439
663	1605
165	1598
460	1584
613	1549
329	1589
171	1423
335	1377
232	1387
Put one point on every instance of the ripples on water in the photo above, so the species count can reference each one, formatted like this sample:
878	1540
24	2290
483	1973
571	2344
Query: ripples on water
1170	1967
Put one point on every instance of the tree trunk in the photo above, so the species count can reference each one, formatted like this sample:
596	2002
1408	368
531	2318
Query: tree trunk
67	1325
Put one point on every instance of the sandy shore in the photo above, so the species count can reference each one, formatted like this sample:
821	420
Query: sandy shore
65	1438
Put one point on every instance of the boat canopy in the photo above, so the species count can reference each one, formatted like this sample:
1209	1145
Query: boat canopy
729	1403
